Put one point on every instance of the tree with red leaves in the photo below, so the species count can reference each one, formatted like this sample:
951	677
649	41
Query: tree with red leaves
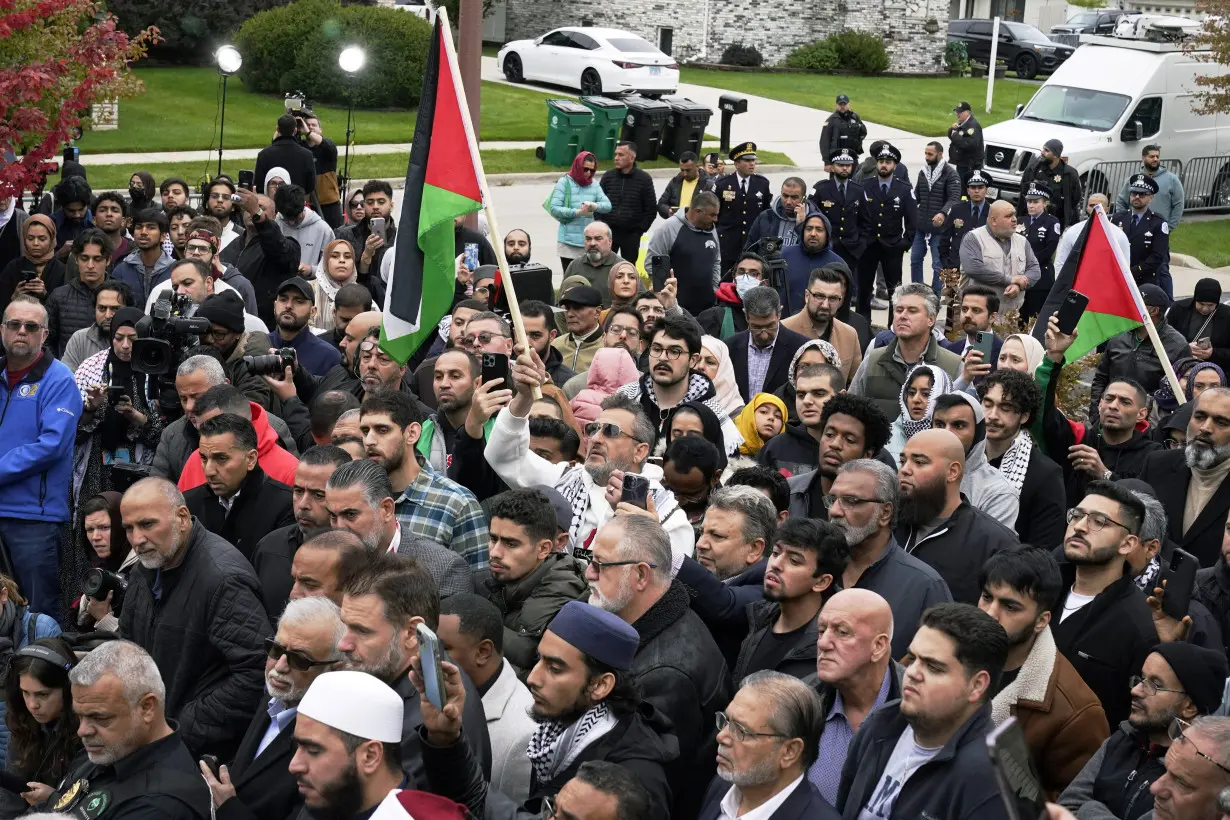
57	58
1214	94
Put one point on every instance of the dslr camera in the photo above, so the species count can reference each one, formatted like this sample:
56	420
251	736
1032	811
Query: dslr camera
99	582
165	333
272	364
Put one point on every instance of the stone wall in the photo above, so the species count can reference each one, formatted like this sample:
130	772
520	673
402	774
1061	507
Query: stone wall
775	27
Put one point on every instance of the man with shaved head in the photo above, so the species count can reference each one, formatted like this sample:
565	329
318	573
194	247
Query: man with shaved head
997	256
262	254
194	604
937	524
855	675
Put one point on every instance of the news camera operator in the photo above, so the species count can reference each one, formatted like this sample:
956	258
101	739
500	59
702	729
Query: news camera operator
324	152
111	559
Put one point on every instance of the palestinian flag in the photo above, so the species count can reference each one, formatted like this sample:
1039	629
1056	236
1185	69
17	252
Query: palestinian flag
1096	269
441	183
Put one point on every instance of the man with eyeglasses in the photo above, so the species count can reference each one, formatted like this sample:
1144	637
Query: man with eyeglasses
767	738
1104	627
595	264
37	433
863	504
817	317
622	329
257	782
761	355
582	317
70	307
1178	682
220	206
727	318
1197	772
228	334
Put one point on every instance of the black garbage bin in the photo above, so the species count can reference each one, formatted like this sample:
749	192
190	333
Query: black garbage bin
685	128
644	125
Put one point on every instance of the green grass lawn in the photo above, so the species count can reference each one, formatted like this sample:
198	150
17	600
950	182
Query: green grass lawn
176	113
367	166
1207	241
919	104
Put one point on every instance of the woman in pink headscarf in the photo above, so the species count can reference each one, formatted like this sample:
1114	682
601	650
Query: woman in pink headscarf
612	368
574	201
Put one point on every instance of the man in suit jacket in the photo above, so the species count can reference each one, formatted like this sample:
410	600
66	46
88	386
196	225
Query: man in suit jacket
257	784
772	776
761	355
1197	499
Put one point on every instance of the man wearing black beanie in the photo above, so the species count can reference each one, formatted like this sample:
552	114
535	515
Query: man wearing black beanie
226	333
1203	323
1178	681
1061	178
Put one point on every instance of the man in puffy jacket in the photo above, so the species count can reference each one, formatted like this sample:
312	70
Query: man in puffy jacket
38	425
633	205
70	307
938	190
783	218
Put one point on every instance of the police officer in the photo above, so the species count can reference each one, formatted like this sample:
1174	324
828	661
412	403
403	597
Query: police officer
965	148
1042	231
969	213
843	130
741	197
1060	178
840	199
1147	232
891	215
137	766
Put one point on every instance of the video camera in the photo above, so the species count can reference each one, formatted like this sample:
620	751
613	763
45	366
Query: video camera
164	334
295	102
770	250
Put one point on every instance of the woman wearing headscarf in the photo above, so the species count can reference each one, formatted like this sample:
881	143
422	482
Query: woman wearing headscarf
715	363
760	420
1199	377
141	190
1020	352
695	418
610	370
105	546
624	284
275	179
119	422
813	351
923	387
36	272
577	196
336	269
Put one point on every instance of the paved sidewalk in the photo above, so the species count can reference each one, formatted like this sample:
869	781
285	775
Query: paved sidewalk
250	153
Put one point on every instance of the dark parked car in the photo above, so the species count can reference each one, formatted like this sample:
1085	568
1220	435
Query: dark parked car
1100	21
1025	49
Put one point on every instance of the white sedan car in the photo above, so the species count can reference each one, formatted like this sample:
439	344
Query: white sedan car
592	60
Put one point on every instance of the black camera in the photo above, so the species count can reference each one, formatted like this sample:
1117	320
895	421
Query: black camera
770	250
272	364
770	246
163	335
99	582
295	102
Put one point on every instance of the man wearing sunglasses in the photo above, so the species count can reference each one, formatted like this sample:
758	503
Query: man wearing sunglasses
1102	622
1178	681
257	783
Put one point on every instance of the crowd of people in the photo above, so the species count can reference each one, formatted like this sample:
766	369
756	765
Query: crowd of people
710	545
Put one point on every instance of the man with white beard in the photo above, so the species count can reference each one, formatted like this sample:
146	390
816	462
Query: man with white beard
258	783
1190	482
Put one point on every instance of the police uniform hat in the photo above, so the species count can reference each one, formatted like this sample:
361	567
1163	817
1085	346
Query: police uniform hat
1143	184
842	99
977	179
889	152
843	157
961	106
1037	190
744	150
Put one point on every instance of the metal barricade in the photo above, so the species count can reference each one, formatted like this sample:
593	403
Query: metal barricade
1110	177
1206	183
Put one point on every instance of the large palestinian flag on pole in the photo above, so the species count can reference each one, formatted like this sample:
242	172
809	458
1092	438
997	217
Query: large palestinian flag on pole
1096	269
441	183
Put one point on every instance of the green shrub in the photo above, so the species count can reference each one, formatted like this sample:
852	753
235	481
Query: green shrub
817	56
295	48
742	55
860	51
191	29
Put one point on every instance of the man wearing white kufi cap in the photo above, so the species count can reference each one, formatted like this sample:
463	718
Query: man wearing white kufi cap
348	733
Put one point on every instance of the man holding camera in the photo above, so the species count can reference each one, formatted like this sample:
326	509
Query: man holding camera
286	152
324	152
295	309
264	255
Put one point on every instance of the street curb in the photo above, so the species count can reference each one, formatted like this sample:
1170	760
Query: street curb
504	180
1188	261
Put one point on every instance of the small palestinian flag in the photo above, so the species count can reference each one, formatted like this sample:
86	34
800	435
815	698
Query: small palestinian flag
441	184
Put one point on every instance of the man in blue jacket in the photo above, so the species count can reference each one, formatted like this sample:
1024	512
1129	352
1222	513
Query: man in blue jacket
39	409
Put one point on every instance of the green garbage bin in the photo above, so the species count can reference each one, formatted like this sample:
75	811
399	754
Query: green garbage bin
567	122
603	133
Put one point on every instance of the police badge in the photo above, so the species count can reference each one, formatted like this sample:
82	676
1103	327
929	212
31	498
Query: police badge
70	797
1058	179
957	223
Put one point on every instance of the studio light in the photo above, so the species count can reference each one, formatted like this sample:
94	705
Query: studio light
229	60
351	59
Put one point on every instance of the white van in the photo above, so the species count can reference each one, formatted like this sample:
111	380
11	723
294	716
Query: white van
1105	103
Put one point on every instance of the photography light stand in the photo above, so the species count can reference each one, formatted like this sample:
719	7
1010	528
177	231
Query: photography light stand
351	61
229	61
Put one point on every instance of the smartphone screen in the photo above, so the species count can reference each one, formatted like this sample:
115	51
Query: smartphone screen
429	658
495	366
636	490
1018	784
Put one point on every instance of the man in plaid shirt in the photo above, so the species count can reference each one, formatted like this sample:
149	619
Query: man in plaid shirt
428	504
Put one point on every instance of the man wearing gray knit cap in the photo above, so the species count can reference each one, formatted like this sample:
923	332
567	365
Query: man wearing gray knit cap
1050	169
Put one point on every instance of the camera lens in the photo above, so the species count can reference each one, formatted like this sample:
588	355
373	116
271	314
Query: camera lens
268	365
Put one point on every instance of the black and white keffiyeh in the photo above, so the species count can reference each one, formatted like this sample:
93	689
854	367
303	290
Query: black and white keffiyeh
1015	462
554	746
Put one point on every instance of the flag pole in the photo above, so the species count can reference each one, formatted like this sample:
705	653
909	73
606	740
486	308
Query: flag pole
506	282
1155	339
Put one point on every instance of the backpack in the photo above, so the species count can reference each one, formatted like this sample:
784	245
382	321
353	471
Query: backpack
9	644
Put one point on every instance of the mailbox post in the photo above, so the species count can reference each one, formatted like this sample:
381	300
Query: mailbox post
730	105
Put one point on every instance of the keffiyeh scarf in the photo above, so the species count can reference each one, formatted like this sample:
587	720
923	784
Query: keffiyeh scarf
1015	462
553	746
941	383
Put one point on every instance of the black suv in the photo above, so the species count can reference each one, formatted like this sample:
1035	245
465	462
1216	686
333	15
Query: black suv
1098	21
1025	49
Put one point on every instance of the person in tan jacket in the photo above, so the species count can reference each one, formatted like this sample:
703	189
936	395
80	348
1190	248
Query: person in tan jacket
1062	718
816	319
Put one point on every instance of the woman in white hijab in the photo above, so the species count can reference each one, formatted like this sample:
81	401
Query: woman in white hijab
715	363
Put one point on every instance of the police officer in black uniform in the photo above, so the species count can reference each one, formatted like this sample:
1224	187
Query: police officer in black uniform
971	212
1042	230
844	130
137	767
741	197
1146	230
891	215
840	199
965	148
